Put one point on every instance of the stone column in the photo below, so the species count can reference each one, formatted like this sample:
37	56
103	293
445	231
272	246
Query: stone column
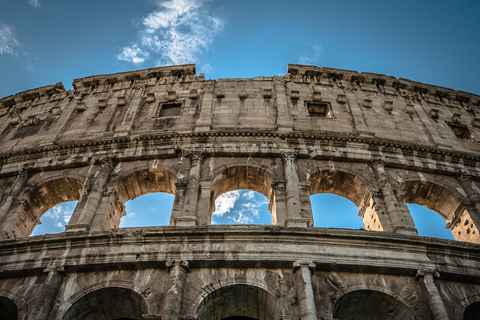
189	216
434	300
303	282
294	217
204	205
176	283
18	184
48	293
278	202
397	210
178	202
82	218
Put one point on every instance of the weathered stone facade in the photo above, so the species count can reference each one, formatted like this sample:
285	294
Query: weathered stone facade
379	141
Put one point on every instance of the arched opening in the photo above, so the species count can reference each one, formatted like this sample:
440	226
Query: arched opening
241	207
472	312
332	211
445	203
38	201
243	181
108	304
148	196
239	302
370	305
8	309
429	223
55	219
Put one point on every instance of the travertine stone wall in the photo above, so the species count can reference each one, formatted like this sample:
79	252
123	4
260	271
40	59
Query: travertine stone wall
379	141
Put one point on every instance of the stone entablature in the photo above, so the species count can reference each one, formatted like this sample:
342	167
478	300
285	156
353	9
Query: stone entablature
381	142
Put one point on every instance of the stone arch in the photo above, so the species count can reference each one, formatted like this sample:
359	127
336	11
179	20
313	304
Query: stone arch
10	301
252	178
129	187
445	201
147	304
468	308
239	300
146	181
366	303
110	302
243	162
37	200
354	187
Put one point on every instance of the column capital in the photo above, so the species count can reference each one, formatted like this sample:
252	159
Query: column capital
462	176
376	162
181	263
289	156
109	161
304	264
427	272
195	155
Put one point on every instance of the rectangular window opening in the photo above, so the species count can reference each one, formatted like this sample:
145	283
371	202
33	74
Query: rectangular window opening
319	109
462	132
170	110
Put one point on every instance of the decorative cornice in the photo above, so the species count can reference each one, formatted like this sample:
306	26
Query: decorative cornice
168	139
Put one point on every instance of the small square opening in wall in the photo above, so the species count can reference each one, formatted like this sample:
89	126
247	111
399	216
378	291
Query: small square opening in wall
462	132
319	109
170	110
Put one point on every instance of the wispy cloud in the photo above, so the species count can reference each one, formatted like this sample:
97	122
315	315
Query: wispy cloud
8	43
249	194
226	202
178	32
34	3
313	56
60	214
133	54
243	218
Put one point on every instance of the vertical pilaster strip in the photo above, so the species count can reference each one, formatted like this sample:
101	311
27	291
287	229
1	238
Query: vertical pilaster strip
294	217
176	284
18	184
397	211
303	282
84	218
204	122
434	300
49	292
284	122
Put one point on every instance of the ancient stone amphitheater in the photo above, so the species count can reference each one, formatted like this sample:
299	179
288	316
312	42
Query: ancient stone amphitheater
377	140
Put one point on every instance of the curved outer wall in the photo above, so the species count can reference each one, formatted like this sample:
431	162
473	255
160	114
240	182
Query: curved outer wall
381	142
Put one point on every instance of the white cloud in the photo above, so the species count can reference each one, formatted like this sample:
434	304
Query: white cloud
226	202
133	54
249	194
206	68
61	214
34	3
243	218
8	42
178	32
312	57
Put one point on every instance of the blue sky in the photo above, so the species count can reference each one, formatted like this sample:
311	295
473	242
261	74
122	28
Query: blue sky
48	41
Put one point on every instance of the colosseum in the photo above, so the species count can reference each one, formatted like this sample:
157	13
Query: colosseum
376	140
